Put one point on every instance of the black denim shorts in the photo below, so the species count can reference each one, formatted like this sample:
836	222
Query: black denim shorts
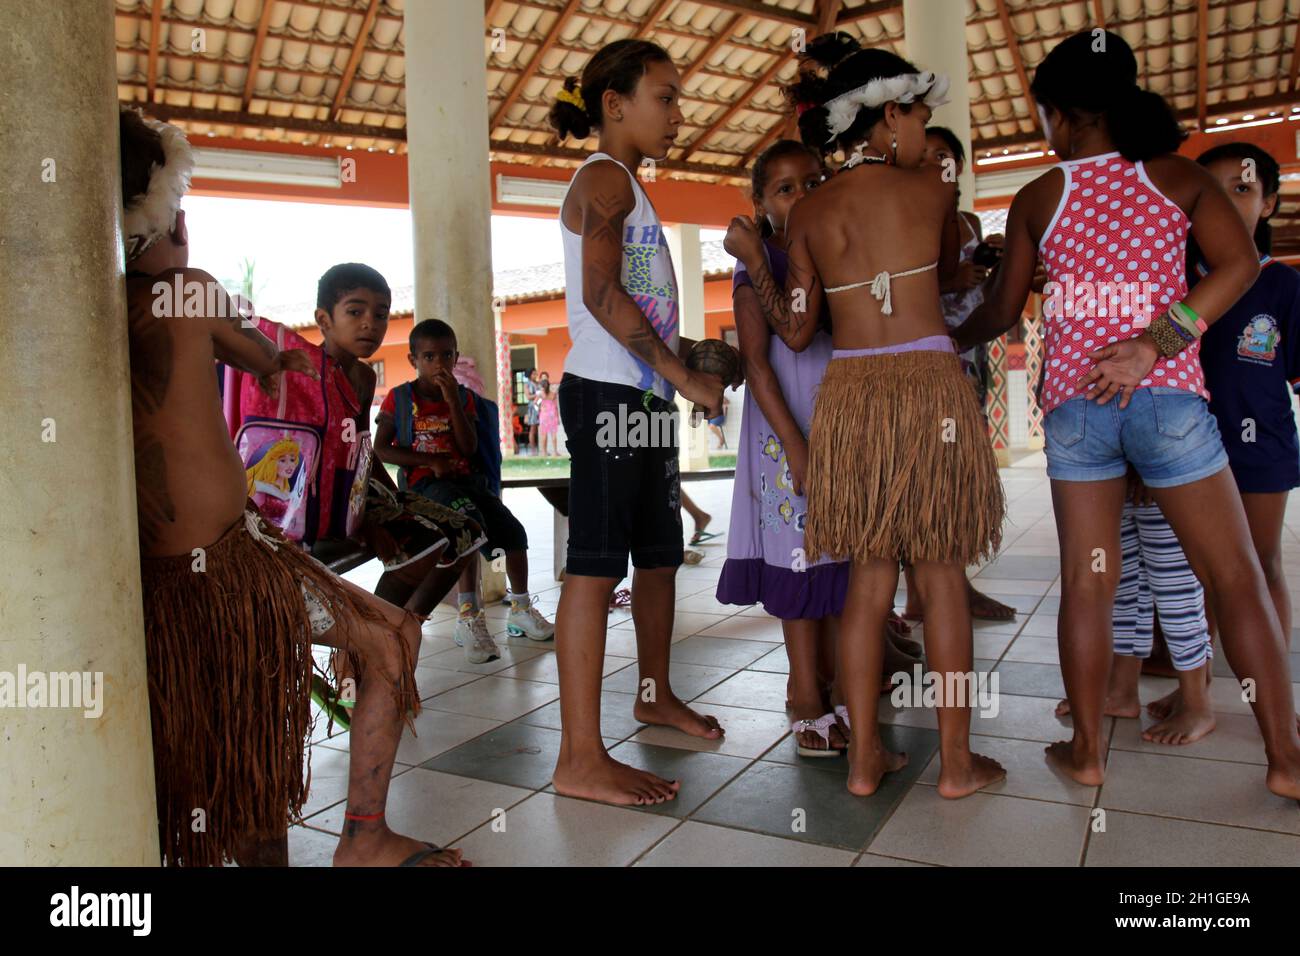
624	487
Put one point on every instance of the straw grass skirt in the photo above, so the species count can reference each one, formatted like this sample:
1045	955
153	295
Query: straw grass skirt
900	466
229	650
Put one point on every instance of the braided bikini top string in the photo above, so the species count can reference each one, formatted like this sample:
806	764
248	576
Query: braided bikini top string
880	285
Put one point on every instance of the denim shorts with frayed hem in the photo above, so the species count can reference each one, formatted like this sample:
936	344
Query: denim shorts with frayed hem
1167	434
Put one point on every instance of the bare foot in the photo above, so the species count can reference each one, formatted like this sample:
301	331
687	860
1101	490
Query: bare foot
1284	776
1184	725
1162	707
673	713
605	780
896	630
867	769
1121	705
1090	772
380	846
984	608
961	781
898	659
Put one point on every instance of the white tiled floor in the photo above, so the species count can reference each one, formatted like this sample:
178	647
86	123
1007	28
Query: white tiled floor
1202	804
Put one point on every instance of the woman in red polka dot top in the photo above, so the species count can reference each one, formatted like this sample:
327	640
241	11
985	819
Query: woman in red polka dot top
1122	378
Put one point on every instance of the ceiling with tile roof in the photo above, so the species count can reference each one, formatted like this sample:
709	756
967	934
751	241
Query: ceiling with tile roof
330	72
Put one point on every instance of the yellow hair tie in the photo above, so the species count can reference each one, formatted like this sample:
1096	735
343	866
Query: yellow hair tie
574	97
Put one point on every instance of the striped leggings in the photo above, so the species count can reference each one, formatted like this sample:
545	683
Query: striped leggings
1156	576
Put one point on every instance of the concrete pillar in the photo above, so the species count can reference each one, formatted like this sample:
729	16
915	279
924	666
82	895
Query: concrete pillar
451	197
451	188
77	790
684	244
935	35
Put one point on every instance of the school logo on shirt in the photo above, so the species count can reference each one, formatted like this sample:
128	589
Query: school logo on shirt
1259	340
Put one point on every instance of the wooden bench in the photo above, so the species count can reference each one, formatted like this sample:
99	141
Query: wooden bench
349	556
556	491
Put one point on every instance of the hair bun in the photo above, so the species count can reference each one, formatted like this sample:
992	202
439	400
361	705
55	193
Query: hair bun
569	115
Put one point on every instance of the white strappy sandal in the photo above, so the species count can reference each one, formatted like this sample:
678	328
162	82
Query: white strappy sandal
822	728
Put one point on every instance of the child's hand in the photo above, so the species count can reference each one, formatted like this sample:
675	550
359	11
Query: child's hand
1120	367
445	380
380	541
704	390
287	360
743	239
796	459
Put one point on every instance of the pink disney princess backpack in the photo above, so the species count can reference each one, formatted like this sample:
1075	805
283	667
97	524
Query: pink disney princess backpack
306	464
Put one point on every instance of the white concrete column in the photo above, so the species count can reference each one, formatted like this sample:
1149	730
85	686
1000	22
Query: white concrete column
77	789
451	195
688	262
451	188
935	35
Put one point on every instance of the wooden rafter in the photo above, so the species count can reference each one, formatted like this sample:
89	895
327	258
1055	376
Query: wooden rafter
1098	14
764	141
552	35
767	11
1202	68
1295	57
354	59
155	25
702	60
1018	61
741	101
651	18
255	57
490	8
868	10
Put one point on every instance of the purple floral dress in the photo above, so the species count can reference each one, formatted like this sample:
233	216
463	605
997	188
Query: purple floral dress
766	563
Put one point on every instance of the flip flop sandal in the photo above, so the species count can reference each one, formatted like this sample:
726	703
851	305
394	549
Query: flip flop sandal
842	714
701	536
692	557
338	711
621	598
419	856
821	727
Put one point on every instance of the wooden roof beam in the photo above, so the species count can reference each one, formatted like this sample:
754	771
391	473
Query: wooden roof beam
552	36
155	25
255	57
1018	61
651	18
766	77
867	11
354	59
1202	68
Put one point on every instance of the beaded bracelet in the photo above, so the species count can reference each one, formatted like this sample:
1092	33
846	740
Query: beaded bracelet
1168	336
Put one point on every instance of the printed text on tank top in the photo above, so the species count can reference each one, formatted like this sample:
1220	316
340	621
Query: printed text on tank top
1114	253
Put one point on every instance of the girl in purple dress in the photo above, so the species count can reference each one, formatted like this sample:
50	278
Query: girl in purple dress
765	559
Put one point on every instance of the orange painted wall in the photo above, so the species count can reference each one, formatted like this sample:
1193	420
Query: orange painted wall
381	180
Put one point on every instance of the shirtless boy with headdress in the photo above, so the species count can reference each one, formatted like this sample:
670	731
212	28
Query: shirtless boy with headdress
232	608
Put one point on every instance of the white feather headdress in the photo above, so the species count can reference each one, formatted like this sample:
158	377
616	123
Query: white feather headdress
931	88
152	214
